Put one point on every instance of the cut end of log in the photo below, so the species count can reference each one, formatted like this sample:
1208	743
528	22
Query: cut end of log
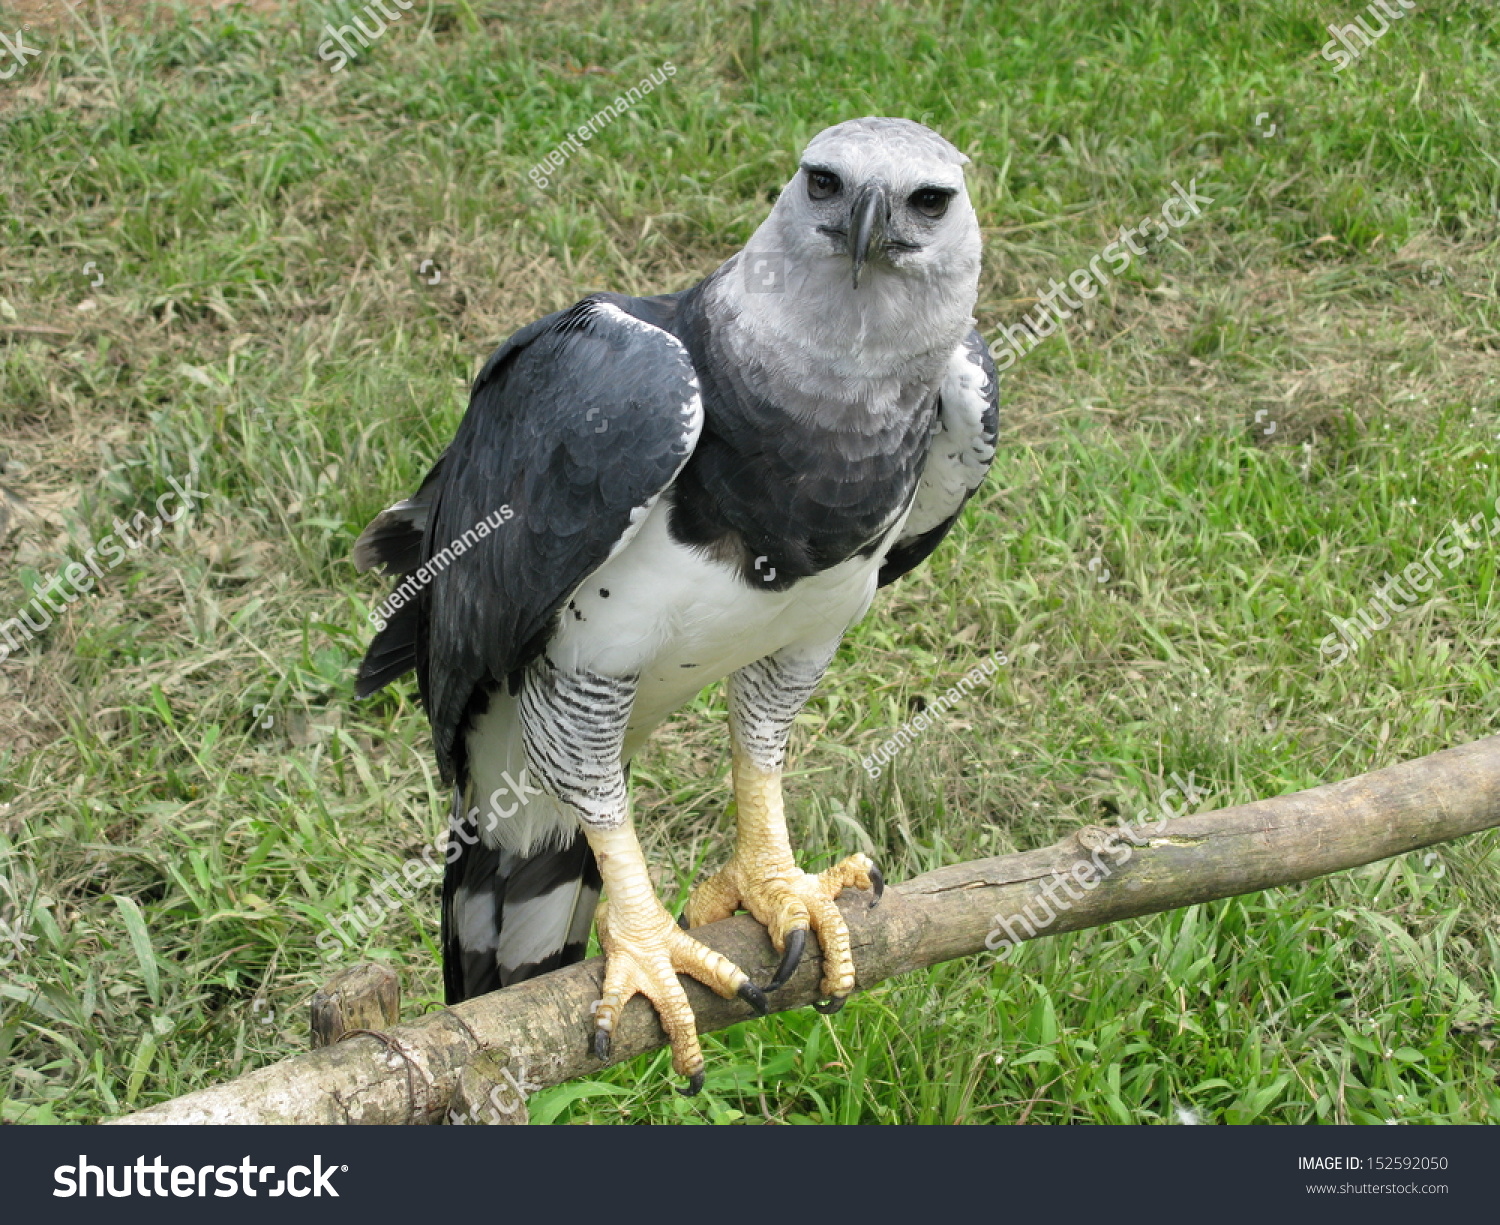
491	1091
363	997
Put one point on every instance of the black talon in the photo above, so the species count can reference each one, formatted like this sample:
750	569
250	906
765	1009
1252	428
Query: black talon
829	1007
694	1087
877	887
796	942
601	1044
755	997
682	921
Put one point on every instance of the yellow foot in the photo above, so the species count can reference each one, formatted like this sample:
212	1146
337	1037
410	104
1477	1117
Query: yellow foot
788	901
644	953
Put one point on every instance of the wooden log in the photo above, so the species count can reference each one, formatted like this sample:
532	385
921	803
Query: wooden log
363	997
412	1071
491	1091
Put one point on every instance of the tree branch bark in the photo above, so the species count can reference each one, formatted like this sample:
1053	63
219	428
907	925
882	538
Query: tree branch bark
409	1073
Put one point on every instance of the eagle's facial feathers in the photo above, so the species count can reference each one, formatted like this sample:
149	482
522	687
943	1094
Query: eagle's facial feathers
881	250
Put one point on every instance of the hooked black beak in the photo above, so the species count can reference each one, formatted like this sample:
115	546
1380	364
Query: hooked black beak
867	224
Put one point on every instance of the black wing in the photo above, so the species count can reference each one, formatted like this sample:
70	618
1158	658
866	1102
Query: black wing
962	449
575	427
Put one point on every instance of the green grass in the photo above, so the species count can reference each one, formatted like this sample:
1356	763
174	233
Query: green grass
167	854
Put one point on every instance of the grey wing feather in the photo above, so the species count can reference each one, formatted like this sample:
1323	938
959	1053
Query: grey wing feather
962	449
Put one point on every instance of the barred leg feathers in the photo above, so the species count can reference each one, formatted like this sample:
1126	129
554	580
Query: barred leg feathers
762	876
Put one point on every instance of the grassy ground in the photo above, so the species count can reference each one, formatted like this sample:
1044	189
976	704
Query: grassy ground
1292	397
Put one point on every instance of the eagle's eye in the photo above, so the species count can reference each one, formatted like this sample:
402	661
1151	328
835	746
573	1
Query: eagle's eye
821	184
931	201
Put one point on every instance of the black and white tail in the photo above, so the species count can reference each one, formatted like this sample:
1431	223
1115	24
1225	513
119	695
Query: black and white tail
508	917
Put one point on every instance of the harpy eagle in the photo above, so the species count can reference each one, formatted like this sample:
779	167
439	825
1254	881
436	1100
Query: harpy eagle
700	486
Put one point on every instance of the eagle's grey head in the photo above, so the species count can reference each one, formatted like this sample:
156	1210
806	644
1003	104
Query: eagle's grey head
882	194
869	261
